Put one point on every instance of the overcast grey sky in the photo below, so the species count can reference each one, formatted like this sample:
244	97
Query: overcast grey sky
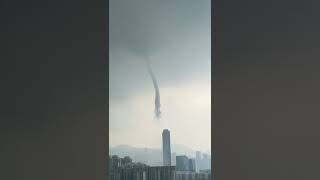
175	36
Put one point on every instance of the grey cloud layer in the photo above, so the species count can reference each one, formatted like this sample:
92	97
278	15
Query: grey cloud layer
173	34
145	25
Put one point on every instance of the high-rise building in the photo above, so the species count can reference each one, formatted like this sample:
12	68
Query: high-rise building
206	161
166	149
115	164
198	161
136	172
192	165
144	172
126	160
198	155
182	163
116	161
161	173
185	175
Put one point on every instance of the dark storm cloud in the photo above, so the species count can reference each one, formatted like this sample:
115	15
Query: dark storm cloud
144	25
174	35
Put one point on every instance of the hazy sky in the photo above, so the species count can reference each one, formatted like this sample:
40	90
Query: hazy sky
175	35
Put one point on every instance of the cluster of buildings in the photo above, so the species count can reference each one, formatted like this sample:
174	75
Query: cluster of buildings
203	162
125	169
183	163
185	168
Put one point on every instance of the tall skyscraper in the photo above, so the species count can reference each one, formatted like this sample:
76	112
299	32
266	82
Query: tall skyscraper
166	149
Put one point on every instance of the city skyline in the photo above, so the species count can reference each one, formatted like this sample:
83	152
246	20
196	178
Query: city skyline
185	168
124	168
